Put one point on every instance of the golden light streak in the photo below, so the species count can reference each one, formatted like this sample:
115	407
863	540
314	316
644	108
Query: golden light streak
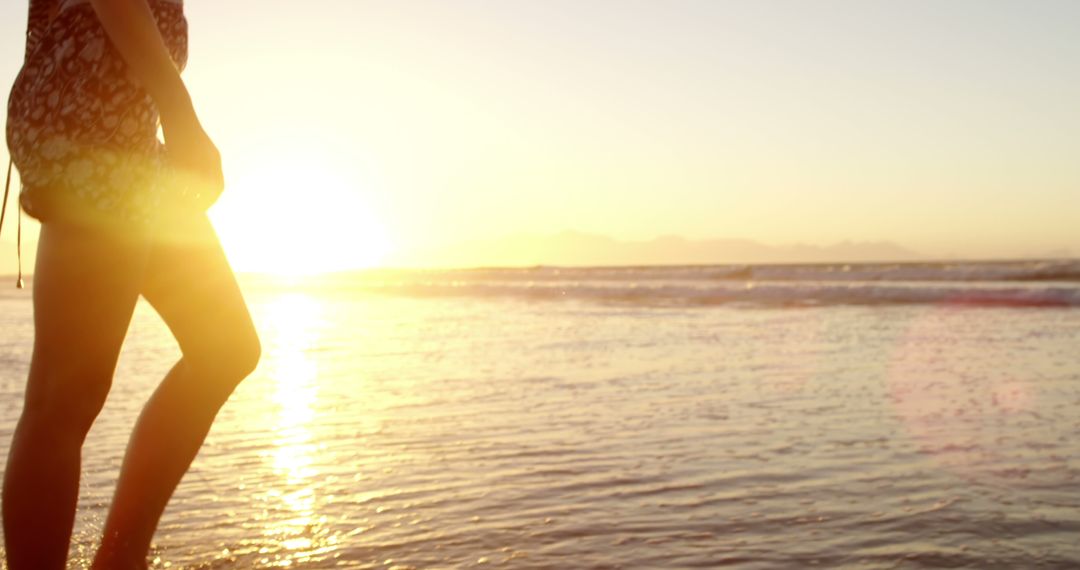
294	320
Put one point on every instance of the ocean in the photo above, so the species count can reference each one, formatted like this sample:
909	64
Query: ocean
785	416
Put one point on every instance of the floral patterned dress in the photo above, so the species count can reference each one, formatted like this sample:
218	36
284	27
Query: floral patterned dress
82	132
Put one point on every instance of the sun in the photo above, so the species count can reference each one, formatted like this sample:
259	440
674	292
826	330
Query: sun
294	215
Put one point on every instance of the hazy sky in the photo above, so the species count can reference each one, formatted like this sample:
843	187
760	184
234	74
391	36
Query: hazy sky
948	127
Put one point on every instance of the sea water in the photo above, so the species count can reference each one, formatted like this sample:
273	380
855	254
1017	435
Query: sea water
855	416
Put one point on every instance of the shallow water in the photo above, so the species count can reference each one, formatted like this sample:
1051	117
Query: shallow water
387	431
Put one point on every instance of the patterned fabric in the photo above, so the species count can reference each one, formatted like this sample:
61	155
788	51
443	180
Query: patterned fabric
81	131
41	13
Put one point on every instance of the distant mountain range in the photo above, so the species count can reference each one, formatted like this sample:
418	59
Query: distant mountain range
578	248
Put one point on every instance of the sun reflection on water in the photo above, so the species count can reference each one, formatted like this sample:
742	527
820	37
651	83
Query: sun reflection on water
296	531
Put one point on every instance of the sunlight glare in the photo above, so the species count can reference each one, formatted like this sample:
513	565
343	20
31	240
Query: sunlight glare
298	215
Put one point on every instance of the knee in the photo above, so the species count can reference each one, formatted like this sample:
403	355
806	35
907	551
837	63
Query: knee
64	402
229	360
246	355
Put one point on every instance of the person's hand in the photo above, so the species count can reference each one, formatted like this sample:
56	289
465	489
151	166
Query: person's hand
195	162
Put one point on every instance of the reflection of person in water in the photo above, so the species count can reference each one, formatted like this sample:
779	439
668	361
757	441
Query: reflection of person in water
122	215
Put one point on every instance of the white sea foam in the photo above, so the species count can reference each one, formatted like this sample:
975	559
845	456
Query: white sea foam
1067	270
1025	283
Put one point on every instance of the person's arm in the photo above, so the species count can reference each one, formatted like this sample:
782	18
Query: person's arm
133	31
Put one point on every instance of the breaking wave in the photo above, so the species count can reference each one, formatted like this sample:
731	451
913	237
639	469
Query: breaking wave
1011	284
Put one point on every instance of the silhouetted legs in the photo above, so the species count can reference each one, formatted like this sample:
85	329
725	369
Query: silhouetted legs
85	287
189	283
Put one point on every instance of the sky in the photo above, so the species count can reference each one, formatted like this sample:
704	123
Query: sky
355	131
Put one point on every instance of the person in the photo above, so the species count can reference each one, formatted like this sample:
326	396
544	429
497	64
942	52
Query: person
123	214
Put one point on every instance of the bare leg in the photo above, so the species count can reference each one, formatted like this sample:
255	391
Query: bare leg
190	284
85	288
